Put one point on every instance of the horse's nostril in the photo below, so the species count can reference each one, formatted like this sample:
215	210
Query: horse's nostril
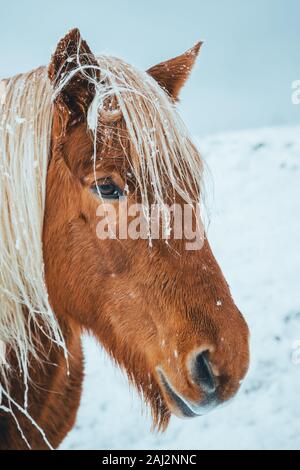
202	373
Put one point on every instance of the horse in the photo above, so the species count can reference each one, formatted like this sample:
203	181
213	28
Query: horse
84	133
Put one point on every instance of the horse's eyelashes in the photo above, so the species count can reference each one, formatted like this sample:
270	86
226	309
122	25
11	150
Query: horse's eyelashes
107	189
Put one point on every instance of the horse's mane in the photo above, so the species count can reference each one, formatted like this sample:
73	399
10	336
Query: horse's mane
161	156
160	152
25	131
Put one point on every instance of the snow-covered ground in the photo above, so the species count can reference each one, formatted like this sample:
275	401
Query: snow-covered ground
253	187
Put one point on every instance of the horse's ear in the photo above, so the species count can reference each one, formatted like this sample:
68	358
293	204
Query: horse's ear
172	74
72	72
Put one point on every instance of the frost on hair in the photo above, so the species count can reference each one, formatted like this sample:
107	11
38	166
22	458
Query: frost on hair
162	157
25	130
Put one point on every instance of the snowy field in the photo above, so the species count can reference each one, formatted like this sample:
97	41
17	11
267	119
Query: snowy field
253	187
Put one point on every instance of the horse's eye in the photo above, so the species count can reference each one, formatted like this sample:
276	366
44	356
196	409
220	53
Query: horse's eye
107	189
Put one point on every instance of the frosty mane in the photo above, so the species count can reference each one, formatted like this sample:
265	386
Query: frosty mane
161	155
25	131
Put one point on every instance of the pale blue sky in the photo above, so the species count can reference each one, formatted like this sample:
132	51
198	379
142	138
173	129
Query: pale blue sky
244	73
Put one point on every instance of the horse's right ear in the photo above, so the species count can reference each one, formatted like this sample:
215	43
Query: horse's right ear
72	72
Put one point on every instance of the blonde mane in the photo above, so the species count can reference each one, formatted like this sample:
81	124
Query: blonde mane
161	157
25	131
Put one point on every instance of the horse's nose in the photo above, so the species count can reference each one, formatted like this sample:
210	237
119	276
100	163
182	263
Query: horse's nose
196	400
202	374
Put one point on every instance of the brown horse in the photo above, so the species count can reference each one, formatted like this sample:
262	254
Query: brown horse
164	313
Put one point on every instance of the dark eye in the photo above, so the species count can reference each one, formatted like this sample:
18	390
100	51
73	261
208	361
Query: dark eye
107	189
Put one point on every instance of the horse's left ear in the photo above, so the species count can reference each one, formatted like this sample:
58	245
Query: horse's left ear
172	74
73	71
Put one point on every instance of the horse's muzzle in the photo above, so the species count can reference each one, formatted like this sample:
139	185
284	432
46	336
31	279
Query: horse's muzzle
203	377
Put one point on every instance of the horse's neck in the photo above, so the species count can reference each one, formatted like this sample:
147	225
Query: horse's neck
53	398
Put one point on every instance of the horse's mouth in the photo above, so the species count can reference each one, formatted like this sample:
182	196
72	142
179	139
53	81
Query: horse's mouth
181	406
